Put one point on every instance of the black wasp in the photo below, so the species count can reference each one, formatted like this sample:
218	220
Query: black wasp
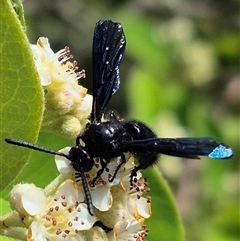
110	138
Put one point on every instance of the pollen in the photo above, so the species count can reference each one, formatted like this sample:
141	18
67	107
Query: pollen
64	204
40	42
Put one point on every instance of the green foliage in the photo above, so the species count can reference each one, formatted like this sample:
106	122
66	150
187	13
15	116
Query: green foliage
18	8
21	95
165	221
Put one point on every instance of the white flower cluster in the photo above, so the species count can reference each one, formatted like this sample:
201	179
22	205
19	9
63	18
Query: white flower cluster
119	207
67	104
60	212
57	217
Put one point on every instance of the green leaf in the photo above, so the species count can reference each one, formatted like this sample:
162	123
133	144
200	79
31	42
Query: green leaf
40	162
18	7
21	95
144	104
164	223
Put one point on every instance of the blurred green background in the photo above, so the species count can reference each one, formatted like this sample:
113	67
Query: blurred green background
180	75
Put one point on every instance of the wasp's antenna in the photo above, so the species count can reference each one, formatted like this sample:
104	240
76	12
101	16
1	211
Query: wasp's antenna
35	147
88	196
80	173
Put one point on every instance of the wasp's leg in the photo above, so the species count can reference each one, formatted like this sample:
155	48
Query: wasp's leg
101	225
134	174
99	172
123	160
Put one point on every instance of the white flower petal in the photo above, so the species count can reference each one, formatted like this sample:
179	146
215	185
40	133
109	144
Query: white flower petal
73	89
63	164
81	196
34	201
102	198
130	231
86	104
82	220
36	233
27	199
69	191
143	207
44	77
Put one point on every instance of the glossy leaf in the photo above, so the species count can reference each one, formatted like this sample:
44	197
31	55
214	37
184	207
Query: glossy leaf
21	94
164	223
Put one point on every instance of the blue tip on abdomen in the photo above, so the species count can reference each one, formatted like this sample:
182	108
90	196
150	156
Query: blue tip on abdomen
221	152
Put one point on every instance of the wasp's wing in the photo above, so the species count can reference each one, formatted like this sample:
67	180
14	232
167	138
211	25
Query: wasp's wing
108	47
181	147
